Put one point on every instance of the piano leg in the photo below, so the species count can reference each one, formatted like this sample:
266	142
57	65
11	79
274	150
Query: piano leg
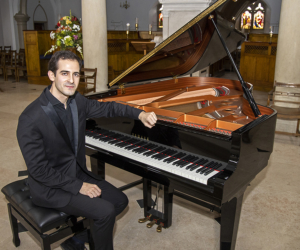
147	196
230	217
97	166
168	205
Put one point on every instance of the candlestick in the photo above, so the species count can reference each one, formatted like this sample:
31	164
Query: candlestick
127	29
271	34
136	23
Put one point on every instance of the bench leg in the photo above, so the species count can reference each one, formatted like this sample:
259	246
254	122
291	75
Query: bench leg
45	244
14	226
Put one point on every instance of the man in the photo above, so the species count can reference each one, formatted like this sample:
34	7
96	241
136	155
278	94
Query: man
51	135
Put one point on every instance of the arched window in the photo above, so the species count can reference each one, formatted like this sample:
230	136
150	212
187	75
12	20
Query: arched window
246	20
253	18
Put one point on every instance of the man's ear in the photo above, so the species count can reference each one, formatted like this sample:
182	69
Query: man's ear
51	76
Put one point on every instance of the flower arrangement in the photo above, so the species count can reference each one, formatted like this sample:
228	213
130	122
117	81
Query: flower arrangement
67	35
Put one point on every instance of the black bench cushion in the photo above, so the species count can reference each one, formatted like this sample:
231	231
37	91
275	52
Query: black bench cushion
43	219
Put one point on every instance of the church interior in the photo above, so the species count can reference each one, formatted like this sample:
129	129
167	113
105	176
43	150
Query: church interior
111	38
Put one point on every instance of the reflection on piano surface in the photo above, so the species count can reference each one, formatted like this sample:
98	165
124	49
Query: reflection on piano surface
208	145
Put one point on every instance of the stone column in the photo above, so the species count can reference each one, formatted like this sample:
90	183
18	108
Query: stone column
177	13
94	33
22	18
288	58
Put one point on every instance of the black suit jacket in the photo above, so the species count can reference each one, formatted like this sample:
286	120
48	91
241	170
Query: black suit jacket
47	150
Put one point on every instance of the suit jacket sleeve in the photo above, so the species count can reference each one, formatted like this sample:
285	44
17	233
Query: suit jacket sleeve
95	109
31	144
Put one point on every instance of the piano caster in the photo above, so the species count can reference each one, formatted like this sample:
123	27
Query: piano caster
143	220
151	224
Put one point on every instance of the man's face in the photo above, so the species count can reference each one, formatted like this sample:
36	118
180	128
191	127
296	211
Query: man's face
66	80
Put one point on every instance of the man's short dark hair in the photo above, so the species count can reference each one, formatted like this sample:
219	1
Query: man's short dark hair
63	55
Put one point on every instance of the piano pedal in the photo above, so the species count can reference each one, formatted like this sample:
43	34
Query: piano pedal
143	220
151	223
159	227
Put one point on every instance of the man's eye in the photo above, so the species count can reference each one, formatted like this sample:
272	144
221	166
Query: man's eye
64	74
77	75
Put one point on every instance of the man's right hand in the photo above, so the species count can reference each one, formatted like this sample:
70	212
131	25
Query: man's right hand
90	190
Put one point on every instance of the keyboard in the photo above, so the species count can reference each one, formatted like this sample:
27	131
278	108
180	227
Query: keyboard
172	160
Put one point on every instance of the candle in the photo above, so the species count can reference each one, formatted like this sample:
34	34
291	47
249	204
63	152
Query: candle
136	23
150	29
127	29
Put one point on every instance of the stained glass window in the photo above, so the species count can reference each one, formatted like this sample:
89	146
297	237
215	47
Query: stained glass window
246	20
254	16
258	20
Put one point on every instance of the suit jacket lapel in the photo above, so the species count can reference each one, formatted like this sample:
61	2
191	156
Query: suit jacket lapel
74	111
51	113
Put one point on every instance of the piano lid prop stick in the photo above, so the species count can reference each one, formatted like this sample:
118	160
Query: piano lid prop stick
247	93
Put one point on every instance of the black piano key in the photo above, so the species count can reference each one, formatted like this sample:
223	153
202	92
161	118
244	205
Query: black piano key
184	164
208	172
174	157
184	161
195	165
207	166
117	140
160	157
139	144
147	154
127	142
215	166
203	168
163	153
160	149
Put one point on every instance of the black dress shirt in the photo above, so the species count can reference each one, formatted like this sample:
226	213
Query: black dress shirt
64	114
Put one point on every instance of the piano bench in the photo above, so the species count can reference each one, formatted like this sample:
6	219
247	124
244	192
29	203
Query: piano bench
39	220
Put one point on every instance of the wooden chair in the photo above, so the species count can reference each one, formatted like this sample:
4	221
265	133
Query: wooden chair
7	49
3	65
87	82
12	66
286	113
22	51
21	66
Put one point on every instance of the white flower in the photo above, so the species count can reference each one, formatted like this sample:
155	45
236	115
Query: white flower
66	37
63	41
52	35
76	27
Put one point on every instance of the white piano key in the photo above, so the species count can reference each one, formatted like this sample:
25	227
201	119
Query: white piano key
159	164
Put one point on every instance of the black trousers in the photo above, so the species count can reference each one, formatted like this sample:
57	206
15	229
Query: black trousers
103	210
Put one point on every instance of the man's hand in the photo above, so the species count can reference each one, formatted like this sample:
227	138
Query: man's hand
148	119
90	190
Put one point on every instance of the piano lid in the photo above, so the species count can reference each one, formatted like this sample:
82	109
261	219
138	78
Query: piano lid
191	48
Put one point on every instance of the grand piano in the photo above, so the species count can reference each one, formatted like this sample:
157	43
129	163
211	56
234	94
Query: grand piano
211	138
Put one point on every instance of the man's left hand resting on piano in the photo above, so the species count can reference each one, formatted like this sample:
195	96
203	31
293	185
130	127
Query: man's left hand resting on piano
148	119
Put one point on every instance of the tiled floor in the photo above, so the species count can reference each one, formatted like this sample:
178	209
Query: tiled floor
270	216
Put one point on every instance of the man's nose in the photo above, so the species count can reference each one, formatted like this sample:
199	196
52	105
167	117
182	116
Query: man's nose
71	78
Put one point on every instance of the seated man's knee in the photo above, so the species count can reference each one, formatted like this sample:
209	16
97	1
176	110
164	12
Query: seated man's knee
122	204
108	213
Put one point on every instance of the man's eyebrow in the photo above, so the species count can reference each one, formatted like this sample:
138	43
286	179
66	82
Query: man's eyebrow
66	71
